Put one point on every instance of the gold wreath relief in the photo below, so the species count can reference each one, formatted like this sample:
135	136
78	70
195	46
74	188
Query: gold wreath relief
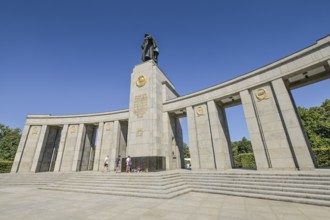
35	130
141	81
73	129
261	94
199	111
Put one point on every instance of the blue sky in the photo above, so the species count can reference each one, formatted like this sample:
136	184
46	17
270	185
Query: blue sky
76	56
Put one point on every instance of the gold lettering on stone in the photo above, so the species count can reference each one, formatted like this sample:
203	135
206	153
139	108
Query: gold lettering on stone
139	132
35	130
261	94
73	129
199	111
140	105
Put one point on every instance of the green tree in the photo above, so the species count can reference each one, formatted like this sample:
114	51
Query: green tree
242	146
186	151
9	140
316	121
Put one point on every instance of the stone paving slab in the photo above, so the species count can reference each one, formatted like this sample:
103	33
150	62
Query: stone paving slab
23	202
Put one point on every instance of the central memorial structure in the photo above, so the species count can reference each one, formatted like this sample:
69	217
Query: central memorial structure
150	131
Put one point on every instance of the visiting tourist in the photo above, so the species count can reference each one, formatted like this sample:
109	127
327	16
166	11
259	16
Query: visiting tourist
117	163
138	169
128	164
106	164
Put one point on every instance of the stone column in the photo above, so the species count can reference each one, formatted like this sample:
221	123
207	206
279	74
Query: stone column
99	140
272	128
114	149
173	141
20	149
203	136
78	148
255	131
106	142
167	135
293	127
40	148
192	133
60	152
220	136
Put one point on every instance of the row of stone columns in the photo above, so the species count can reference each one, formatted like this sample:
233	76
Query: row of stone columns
277	136
75	150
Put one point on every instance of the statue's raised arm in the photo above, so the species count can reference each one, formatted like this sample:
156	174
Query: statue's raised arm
149	49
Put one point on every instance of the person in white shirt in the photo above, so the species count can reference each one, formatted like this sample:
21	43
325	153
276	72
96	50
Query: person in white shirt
106	164
128	164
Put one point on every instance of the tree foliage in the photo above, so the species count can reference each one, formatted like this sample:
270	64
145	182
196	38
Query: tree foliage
316	121
9	140
242	146
186	151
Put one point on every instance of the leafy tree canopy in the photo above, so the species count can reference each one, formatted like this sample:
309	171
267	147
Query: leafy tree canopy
186	151
9	140
242	146
316	121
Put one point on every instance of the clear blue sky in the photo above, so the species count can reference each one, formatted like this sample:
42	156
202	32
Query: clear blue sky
76	56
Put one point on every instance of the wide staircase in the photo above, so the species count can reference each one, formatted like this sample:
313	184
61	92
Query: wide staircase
301	187
32	179
309	188
151	185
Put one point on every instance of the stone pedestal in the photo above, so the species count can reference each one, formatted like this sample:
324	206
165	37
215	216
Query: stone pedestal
145	127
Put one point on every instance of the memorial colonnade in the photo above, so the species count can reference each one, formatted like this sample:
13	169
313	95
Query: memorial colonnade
151	126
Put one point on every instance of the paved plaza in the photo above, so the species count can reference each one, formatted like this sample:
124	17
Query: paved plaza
29	202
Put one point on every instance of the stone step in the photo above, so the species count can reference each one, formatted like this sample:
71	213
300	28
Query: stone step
128	176
279	184
123	174
282	188
233	177
256	180
269	197
258	174
160	190
260	191
131	181
144	194
302	188
32	179
119	185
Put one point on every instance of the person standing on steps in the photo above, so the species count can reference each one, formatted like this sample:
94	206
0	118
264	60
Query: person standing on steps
106	164
128	164
117	163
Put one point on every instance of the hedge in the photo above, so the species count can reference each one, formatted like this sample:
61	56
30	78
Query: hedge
245	160
5	166
322	156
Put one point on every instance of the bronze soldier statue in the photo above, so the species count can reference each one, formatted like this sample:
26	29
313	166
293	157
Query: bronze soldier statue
149	49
